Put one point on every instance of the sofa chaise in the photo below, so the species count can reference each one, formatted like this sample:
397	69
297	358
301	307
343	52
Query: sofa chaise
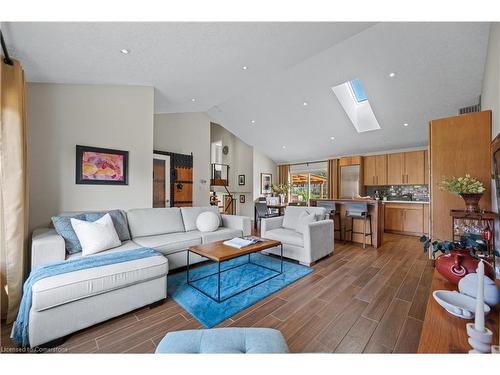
306	245
68	302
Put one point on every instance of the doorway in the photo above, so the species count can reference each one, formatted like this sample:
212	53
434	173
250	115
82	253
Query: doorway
161	181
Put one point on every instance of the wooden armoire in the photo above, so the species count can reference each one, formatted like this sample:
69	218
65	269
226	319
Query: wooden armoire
458	145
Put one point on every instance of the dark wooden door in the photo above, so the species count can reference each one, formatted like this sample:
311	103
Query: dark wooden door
159	191
183	187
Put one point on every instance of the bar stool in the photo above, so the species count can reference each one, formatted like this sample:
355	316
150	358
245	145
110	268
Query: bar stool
358	211
331	209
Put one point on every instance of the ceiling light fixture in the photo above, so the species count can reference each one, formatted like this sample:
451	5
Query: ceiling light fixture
125	51
253	121
332	138
193	100
305	104
245	67
283	147
405	124
392	75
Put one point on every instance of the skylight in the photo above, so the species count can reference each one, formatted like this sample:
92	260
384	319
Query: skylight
353	98
358	90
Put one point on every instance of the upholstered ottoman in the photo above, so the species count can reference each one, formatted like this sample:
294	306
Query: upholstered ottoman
224	340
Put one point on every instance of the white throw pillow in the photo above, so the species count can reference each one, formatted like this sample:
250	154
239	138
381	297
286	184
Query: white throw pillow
305	218
96	236
207	221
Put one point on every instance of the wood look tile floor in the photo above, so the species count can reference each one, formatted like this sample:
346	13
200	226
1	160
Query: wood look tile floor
357	300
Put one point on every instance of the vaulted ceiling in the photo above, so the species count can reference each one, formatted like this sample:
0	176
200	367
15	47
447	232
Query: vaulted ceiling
438	69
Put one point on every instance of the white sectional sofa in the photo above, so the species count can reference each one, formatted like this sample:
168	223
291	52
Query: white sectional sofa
65	303
314	243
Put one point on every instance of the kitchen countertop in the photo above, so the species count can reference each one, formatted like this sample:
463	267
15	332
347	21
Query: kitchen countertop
409	202
376	211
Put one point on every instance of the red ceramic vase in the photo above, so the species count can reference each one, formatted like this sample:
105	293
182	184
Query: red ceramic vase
457	264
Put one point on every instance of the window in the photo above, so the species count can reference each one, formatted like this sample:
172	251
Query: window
309	181
358	90
354	101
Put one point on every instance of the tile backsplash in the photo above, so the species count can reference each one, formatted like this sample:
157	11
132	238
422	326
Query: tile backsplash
417	192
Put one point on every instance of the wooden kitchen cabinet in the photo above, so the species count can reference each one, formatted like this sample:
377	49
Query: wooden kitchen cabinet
458	145
395	169
414	168
406	168
375	170
381	169
404	218
393	219
413	220
369	171
350	160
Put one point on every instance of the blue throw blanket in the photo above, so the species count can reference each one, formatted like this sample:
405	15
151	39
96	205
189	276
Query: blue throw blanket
20	328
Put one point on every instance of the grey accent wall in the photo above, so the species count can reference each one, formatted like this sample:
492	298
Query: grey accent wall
60	116
185	133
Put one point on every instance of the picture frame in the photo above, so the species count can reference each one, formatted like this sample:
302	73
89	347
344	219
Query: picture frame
241	179
101	166
266	180
242	198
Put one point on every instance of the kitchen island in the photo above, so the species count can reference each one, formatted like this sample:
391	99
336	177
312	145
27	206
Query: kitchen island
375	209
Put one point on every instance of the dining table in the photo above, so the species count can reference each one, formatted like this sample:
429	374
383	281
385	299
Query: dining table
279	206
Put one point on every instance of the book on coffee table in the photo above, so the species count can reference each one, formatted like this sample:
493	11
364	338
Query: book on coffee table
239	242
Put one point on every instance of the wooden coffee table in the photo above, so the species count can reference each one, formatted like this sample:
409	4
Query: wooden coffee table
219	253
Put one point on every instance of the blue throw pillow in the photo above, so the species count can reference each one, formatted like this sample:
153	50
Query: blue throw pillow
119	222
63	227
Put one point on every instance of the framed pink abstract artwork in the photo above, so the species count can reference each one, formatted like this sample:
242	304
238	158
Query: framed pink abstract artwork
101	166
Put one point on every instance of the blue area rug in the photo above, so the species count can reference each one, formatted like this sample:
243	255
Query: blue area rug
210	313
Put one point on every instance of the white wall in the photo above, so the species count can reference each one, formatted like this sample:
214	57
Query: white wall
62	116
490	98
240	161
262	164
185	133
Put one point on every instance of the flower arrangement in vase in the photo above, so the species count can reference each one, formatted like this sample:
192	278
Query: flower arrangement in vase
470	189
280	190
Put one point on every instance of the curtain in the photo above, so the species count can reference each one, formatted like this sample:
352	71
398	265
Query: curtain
283	174
13	192
284	178
332	174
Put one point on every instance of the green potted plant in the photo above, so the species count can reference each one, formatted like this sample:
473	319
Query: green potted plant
459	258
470	189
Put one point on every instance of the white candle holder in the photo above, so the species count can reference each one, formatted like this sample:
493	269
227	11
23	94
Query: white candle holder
480	341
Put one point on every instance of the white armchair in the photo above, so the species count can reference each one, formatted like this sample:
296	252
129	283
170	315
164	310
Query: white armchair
314	243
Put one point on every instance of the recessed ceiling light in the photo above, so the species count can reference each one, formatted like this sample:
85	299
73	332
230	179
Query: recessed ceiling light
304	104
332	138
125	51
392	75
283	147
193	100
244	67
405	124
253	121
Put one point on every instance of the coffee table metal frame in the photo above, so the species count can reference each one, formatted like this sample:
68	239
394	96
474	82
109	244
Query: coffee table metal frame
219	272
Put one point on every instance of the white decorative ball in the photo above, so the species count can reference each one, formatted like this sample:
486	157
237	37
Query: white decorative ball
207	221
468	286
